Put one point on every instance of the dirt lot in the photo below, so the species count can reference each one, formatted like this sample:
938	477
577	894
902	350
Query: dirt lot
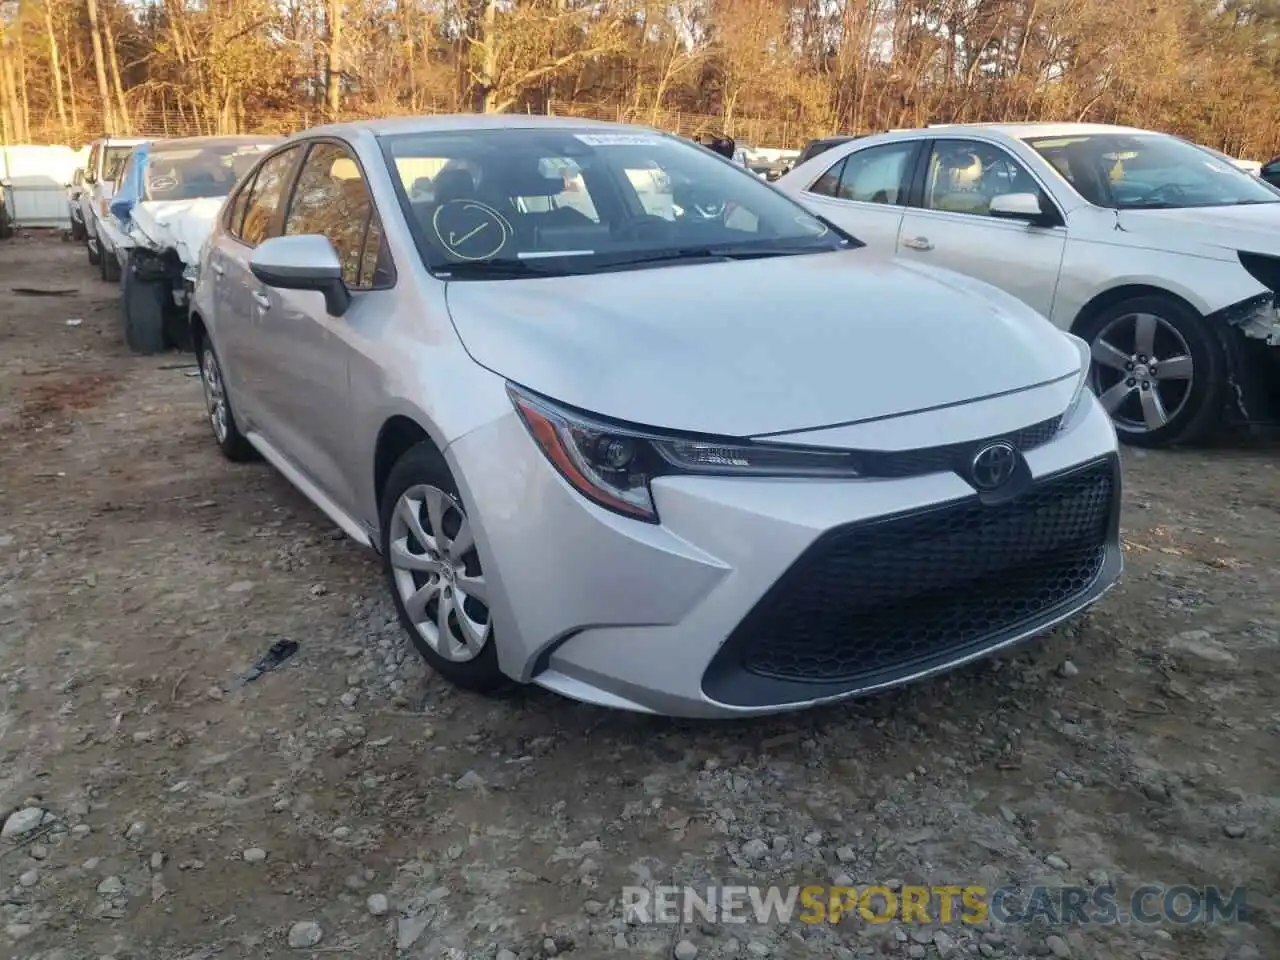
191	816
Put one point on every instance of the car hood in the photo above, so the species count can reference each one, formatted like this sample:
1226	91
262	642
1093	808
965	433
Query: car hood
1251	227
761	346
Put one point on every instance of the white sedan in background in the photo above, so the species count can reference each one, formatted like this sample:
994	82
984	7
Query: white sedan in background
1162	255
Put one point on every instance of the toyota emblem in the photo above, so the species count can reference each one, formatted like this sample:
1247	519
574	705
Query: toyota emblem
993	465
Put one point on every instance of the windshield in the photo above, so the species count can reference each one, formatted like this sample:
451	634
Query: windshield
113	159
578	201
188	172
1149	171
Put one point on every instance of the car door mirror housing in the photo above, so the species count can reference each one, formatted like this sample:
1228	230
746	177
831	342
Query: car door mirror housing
1017	206
303	262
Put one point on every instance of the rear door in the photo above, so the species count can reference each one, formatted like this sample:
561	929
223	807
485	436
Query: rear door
864	191
949	221
240	298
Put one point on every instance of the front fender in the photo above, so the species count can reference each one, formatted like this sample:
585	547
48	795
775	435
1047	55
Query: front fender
1092	269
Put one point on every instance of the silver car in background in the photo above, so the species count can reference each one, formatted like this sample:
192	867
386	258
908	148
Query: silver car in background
626	422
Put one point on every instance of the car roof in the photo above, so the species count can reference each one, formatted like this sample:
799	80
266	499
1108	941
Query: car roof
1032	130
454	122
219	141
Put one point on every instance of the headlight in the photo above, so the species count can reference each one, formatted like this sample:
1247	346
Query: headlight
612	465
1082	380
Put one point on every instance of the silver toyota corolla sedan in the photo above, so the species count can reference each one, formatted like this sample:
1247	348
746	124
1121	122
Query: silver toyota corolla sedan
625	421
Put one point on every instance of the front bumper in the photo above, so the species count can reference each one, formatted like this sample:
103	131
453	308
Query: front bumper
734	605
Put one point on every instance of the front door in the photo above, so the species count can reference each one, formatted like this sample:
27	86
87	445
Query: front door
864	192
953	228
309	351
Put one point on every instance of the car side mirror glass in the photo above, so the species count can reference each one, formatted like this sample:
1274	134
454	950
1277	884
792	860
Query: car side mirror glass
1017	206
303	262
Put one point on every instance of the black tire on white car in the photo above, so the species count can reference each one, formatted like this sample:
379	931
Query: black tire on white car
109	266
1158	369
434	572
226	432
142	311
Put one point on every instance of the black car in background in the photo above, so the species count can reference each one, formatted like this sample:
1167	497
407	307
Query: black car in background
1271	172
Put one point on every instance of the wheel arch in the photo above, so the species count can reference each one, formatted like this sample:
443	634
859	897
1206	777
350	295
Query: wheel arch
198	329
1127	291
399	433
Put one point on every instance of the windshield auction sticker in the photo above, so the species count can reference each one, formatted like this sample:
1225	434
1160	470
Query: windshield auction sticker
617	139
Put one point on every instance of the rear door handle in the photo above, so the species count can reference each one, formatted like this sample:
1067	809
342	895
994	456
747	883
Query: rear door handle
261	299
918	243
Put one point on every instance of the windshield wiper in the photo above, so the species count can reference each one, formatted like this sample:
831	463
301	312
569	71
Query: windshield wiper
497	270
709	254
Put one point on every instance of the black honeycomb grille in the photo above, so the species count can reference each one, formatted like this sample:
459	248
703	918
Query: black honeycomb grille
884	597
955	456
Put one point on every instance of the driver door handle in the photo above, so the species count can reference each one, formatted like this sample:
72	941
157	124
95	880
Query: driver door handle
918	243
261	299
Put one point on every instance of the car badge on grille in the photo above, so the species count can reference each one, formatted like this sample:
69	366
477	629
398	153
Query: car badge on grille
993	465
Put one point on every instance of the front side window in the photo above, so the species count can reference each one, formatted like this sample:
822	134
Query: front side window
267	197
91	165
1149	171
113	162
966	175
572	201
332	199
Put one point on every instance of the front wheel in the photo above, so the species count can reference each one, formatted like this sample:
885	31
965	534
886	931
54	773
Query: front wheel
433	570
1158	370
142	310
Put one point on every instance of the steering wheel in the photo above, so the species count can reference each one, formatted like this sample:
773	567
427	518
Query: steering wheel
645	227
1168	191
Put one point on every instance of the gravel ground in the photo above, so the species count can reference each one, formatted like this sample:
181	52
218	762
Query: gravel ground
348	802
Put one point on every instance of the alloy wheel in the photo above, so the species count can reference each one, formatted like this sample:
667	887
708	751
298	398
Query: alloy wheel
437	573
215	395
1142	371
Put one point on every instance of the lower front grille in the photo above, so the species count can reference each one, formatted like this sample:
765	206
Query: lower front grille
886	598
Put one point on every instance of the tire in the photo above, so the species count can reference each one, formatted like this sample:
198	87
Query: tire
1192	407
420	475
142	310
226	432
109	266
95	258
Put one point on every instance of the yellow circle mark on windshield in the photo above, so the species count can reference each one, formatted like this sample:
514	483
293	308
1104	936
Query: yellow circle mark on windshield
470	230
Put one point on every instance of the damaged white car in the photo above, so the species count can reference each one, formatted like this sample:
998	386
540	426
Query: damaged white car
1162	255
169	195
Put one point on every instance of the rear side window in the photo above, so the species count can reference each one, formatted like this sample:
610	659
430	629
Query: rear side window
235	213
828	185
267	197
876	175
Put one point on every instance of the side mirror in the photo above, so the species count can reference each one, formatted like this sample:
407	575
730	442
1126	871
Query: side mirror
303	262
1017	206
